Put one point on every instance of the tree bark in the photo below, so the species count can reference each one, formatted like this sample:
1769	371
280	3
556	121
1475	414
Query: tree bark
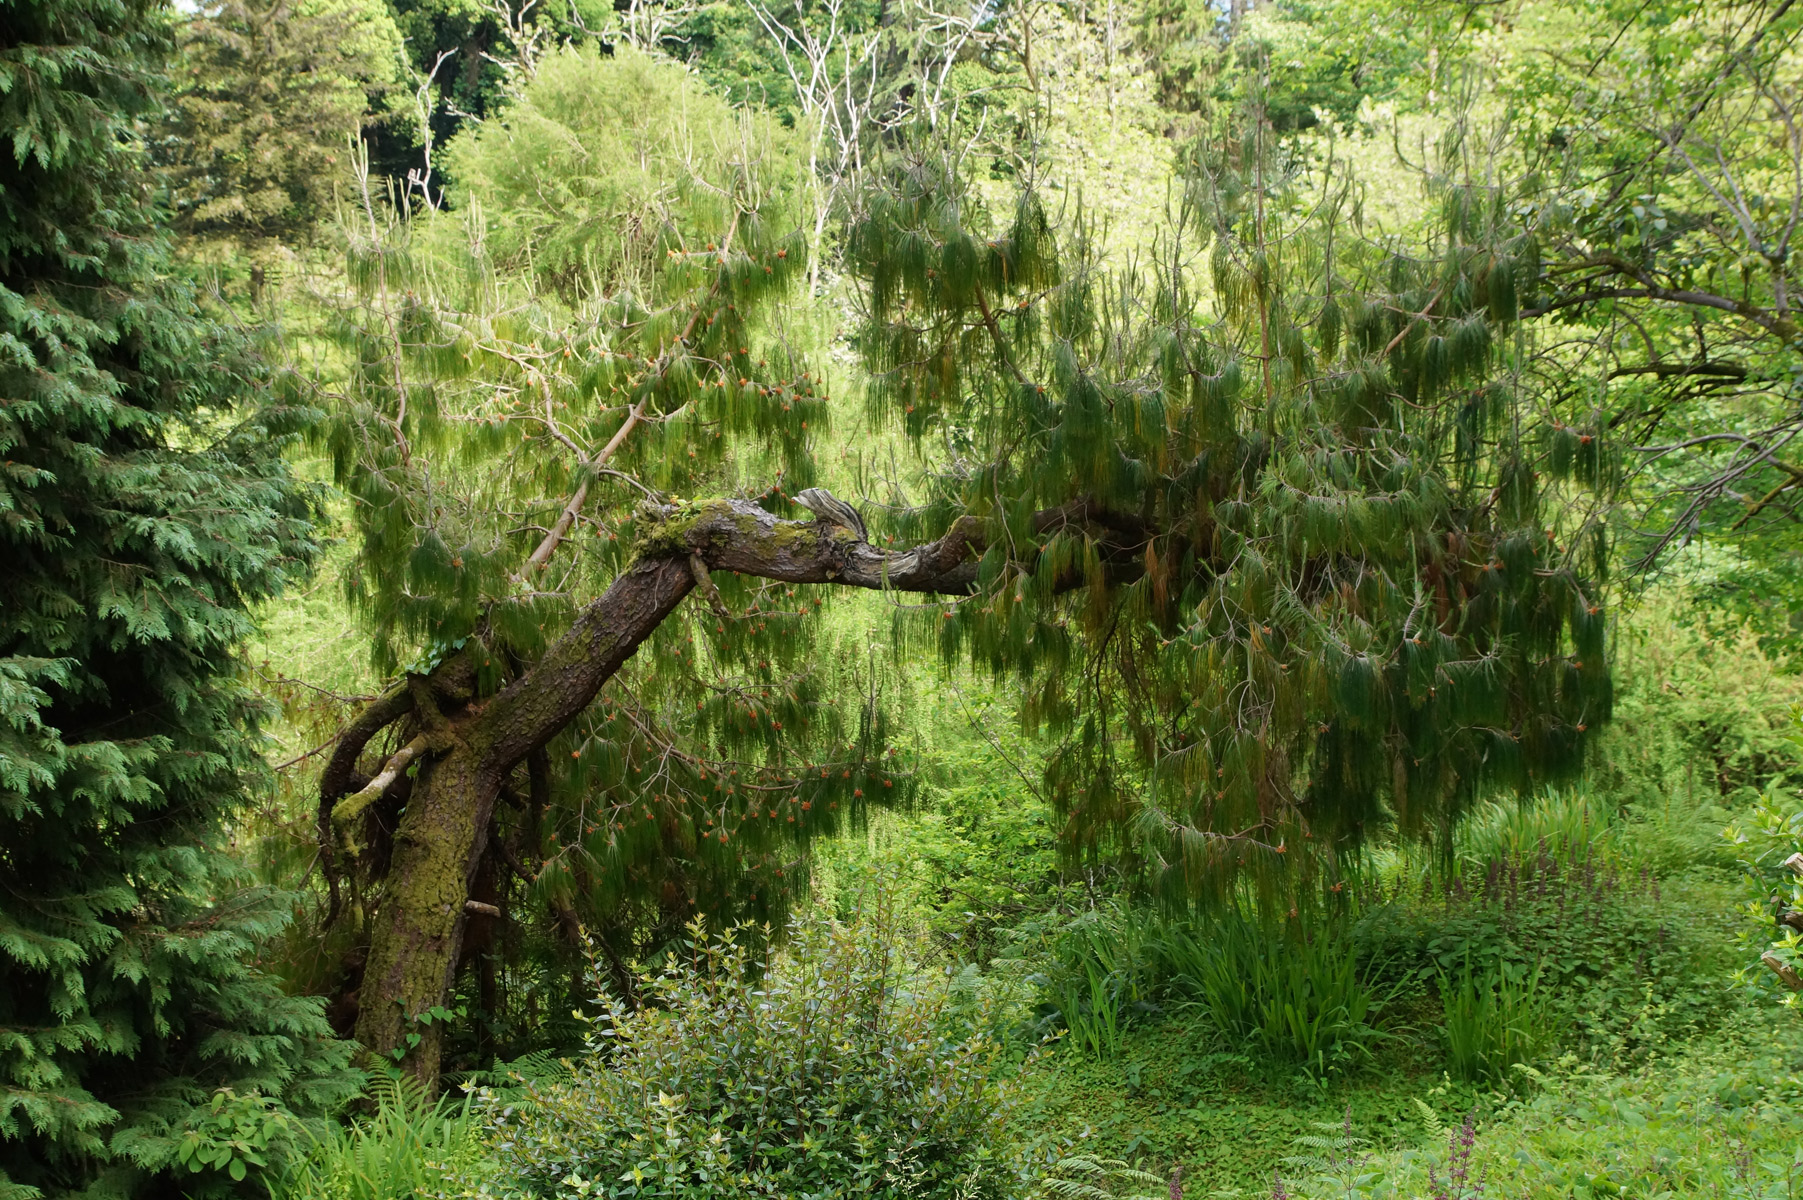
438	848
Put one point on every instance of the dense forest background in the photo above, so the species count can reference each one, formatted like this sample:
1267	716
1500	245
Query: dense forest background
1021	599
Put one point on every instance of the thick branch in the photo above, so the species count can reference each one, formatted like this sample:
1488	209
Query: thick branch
353	806
1724	371
382	712
722	535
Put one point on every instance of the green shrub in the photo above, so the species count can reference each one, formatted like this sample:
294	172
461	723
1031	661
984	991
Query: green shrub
1701	712
1714	1118
1627	960
1766	841
827	1071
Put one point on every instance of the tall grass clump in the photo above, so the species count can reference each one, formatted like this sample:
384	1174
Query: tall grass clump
1093	982
831	1069
402	1149
1298	996
1564	825
1494	1020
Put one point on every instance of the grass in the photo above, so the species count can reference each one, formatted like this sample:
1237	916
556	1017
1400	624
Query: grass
398	1150
1713	1116
1176	1098
1094	981
1574	1005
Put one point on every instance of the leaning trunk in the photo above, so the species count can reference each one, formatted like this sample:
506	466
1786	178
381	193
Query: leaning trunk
465	755
419	929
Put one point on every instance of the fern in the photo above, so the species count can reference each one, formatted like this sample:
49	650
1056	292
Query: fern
1335	1161
1436	1128
1083	1177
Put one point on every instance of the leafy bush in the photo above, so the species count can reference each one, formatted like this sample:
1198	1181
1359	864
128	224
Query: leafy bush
1700	712
827	1071
1627	960
399	1151
1766	842
1713	1119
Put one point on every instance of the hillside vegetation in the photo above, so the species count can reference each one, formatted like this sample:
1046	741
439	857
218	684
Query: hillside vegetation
1035	600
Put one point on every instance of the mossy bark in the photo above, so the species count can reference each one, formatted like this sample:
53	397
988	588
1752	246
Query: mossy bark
418	930
418	926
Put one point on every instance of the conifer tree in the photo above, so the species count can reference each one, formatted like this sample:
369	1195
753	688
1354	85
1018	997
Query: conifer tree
1265	530
1272	533
144	505
267	98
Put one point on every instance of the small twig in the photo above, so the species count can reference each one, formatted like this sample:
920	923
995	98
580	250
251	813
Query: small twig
300	758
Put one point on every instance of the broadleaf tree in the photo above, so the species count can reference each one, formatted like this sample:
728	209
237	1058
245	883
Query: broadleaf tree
1660	167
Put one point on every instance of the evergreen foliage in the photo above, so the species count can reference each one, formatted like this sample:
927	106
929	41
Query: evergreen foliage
269	95
145	506
1263	523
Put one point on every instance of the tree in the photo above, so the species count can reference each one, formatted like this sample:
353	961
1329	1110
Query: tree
144	506
856	76
1659	154
558	421
1277	557
268	96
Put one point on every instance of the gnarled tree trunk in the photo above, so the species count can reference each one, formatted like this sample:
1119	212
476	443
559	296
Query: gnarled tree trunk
463	756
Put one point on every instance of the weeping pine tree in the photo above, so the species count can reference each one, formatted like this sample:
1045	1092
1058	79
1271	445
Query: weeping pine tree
1259	528
1266	537
516	460
144	507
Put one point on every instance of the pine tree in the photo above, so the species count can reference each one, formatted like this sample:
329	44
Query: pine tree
144	506
1266	531
1272	537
